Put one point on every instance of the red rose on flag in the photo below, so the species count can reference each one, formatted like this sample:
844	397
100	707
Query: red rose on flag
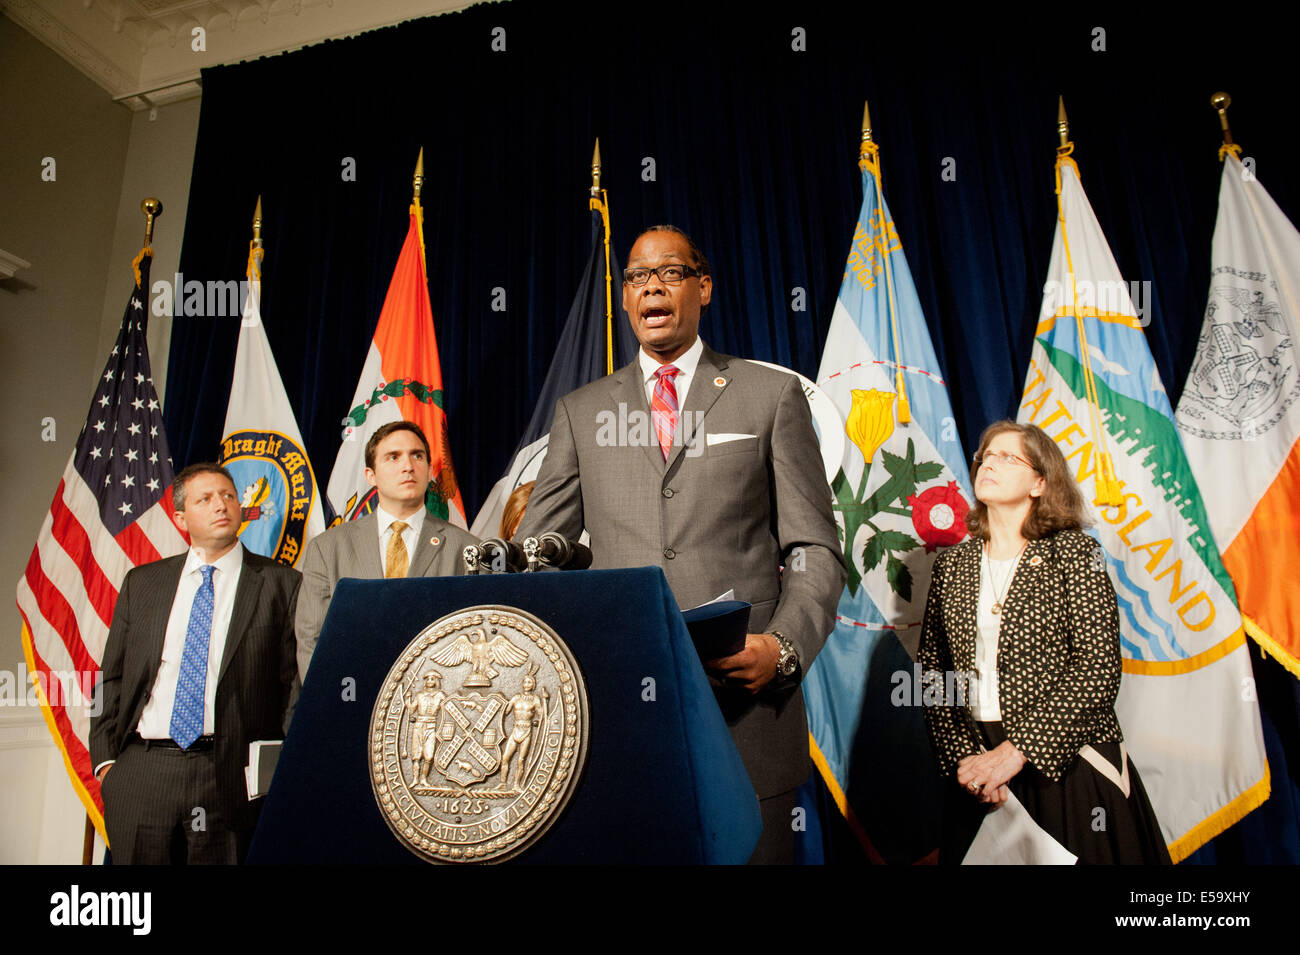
939	516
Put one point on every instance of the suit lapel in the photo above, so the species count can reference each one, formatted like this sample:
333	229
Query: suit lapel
246	595
1032	566
966	581
363	538
155	626
628	388
701	397
425	550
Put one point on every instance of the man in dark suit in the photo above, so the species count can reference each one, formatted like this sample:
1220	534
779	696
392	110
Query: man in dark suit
707	466
398	539
199	663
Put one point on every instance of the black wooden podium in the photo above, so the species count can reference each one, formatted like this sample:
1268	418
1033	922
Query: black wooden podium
663	782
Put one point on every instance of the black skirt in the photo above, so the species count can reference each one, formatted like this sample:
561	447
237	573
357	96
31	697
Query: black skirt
1085	812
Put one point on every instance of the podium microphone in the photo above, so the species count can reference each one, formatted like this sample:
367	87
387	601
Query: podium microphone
556	550
501	556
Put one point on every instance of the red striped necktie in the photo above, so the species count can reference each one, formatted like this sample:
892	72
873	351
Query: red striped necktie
663	406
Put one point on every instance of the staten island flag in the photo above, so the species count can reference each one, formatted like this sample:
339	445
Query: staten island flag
1239	415
262	447
1186	703
401	380
901	491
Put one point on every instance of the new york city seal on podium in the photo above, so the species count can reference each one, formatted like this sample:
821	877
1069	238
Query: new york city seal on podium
478	736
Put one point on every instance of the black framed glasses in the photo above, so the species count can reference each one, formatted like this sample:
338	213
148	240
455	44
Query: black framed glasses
672	274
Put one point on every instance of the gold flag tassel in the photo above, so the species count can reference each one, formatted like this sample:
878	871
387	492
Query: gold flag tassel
255	250
869	161
1221	101
152	209
417	211
599	202
1107	485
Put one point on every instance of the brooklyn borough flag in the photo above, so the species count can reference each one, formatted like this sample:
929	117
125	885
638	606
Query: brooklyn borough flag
1239	415
1186	704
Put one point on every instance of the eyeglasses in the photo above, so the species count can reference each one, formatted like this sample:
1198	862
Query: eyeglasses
1002	458
668	274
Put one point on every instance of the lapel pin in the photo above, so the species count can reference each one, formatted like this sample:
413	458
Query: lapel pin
434	541
1035	560
719	381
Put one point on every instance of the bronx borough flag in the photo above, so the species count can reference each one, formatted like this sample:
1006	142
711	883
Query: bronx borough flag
111	511
262	447
401	380
901	492
1189	717
1239	416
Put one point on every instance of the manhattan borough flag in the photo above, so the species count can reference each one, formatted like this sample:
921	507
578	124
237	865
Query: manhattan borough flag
262	447
1186	703
1239	414
111	511
595	316
901	492
401	380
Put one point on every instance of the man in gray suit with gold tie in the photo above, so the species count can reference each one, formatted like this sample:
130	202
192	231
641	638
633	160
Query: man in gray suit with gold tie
398	539
724	490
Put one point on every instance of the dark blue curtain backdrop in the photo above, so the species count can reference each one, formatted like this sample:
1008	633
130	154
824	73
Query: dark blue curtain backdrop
711	119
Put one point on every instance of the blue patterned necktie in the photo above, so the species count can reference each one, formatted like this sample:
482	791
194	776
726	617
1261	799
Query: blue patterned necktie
187	712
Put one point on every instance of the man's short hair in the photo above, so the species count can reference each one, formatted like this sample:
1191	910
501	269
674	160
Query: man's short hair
698	259
385	430
179	482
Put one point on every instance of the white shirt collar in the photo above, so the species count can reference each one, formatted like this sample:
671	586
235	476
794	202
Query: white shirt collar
227	563
685	362
415	521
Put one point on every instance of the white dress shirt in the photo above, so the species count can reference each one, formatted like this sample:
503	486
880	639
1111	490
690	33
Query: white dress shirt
156	719
685	363
984	704
410	536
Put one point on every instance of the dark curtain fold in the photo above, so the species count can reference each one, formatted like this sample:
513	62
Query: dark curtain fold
713	119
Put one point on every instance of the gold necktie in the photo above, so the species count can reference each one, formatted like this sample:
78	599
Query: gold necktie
397	560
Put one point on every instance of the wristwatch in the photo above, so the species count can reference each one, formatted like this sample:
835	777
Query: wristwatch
787	664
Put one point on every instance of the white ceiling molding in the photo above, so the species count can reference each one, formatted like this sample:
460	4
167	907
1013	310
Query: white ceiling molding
10	263
143	51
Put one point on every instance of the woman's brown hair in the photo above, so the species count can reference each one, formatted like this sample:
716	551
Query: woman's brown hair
513	513
1059	508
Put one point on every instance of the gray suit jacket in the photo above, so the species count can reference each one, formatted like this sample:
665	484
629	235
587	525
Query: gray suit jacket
717	516
352	550
257	684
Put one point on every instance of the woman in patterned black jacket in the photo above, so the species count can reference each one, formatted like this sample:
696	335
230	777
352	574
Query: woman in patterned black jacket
1020	653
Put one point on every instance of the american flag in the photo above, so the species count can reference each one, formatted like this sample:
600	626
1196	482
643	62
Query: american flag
111	511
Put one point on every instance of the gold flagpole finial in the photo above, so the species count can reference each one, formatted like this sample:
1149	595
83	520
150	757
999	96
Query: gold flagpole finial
257	223
595	170
1062	123
866	122
419	174
152	209
1221	101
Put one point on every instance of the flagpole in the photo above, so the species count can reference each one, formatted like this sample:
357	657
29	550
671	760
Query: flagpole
418	211
869	161
1221	101
599	202
152	209
1107	486
255	251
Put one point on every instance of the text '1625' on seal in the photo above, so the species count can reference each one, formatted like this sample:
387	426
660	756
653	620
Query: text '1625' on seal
478	736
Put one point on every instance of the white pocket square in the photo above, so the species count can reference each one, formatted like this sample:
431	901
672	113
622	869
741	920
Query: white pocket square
723	437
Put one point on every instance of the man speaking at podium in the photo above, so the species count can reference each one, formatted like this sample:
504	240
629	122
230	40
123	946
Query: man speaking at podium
726	492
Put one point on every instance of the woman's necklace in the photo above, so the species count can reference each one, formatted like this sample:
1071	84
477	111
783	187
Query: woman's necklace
998	594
